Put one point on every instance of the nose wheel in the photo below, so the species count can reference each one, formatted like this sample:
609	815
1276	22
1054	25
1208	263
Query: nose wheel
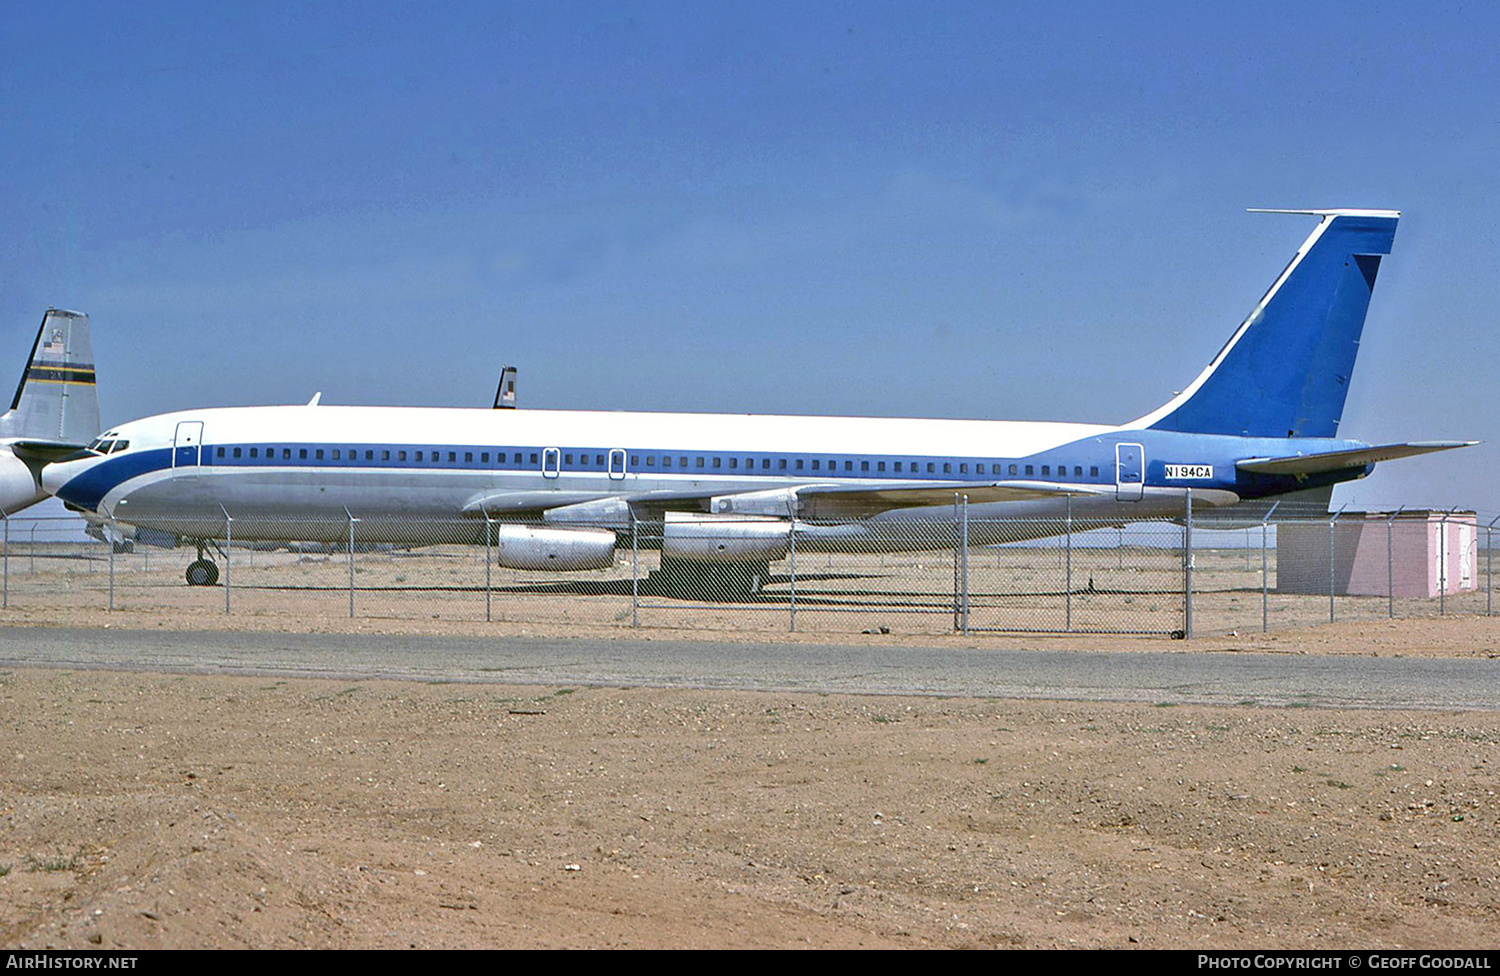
202	572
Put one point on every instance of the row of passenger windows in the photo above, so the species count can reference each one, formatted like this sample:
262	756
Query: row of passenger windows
337	454
663	461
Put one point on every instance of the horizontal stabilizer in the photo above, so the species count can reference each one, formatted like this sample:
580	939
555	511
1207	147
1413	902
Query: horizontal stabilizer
1305	464
45	451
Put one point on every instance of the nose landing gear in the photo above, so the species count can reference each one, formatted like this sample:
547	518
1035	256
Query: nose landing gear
202	571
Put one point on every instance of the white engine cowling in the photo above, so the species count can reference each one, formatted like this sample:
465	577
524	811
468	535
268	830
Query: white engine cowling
18	487
724	538
537	547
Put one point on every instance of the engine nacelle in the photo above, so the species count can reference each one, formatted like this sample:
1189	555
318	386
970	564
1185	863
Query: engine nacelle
724	538
18	486
537	547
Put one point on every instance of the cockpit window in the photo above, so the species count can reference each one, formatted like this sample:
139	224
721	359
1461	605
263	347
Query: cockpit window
118	446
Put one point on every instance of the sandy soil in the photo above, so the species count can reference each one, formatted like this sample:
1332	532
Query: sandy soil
186	811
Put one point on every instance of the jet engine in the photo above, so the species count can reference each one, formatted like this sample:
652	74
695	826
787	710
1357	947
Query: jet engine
724	538
537	547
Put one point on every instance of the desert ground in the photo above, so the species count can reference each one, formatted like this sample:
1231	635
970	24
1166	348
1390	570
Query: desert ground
162	810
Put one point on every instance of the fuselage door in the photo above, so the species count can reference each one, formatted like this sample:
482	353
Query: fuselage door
1130	472
187	446
551	462
617	464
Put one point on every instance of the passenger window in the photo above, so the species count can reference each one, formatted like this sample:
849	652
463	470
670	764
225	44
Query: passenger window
650	460
453	457
318	454
1030	470
1094	471
816	462
717	462
931	467
799	464
1012	469
255	452
700	462
1046	470
302	453
781	464
963	468
947	467
400	455
385	455
220	452
765	464
734	462
898	467
880	466
483	458
750	463
865	465
1078	471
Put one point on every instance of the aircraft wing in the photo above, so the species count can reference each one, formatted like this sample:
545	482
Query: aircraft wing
852	501
826	498
1305	464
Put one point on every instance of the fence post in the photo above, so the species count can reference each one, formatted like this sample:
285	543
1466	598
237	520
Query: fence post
1444	552
488	530
228	559
1390	564
110	542
1187	569
1331	523
957	534
33	548
1068	569
1489	563
791	549
350	516
635	571
5	516
964	590
1265	575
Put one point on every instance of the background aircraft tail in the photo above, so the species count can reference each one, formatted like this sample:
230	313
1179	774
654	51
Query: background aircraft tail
1285	371
56	398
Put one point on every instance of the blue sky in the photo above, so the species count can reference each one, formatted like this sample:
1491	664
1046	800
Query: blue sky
1011	211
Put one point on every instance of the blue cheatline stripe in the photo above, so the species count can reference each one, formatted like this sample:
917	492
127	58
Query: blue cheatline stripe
595	460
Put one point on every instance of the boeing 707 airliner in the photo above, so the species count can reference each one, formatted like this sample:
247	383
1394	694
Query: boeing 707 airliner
556	487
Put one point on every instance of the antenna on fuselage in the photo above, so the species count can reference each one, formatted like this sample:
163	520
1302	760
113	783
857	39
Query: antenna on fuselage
505	393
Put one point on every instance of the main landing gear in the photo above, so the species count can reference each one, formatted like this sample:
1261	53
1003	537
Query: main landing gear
202	571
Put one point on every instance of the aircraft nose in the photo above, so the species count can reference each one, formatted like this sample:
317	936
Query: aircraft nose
57	476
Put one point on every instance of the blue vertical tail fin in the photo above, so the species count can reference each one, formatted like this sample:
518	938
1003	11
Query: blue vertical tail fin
1285	371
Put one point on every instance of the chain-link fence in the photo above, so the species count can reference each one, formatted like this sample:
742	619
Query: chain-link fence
1185	577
